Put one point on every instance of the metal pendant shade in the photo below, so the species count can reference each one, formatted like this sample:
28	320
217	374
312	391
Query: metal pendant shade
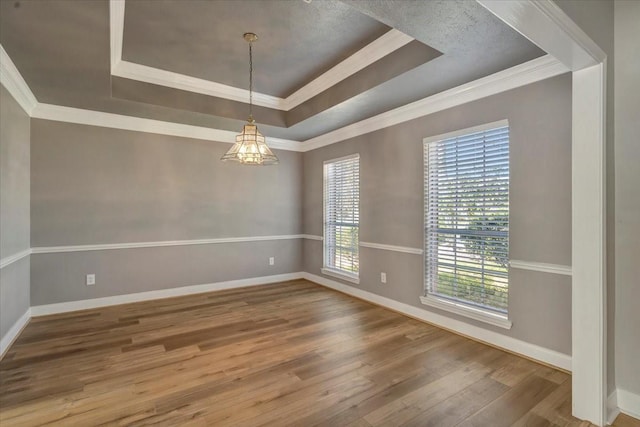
250	147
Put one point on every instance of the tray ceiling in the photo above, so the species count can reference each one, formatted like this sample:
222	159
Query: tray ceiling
318	66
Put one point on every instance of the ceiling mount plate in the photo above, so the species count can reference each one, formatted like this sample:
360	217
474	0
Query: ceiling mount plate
250	37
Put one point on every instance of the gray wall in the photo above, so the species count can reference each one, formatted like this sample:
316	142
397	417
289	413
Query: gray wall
627	157
391	201
95	185
14	209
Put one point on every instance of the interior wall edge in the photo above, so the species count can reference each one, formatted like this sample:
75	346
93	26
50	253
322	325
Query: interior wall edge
14	332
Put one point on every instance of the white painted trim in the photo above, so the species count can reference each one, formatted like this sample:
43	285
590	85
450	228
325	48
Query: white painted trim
138	124
460	132
393	248
629	403
13	258
144	73
588	250
539	266
135	245
340	275
374	51
519	75
64	307
116	31
11	79
467	311
14	331
546	25
312	237
533	351
612	407
340	159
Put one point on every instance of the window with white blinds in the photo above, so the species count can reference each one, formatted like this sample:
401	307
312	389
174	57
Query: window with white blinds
342	214
467	217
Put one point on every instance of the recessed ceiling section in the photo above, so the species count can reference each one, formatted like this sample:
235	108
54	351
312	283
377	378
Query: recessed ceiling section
396	63
298	41
318	66
177	99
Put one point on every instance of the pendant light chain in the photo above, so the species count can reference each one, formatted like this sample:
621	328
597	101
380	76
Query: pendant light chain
250	147
251	81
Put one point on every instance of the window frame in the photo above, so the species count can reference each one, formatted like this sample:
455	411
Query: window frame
453	304
326	268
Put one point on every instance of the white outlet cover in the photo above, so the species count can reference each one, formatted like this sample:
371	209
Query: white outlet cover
91	279
272	260
383	277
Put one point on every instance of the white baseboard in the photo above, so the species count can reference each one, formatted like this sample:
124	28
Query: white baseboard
514	345
64	307
628	403
13	333
612	407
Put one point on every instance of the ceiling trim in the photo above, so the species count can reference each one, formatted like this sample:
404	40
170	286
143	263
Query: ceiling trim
157	76
117	121
11	79
116	31
374	51
529	72
545	24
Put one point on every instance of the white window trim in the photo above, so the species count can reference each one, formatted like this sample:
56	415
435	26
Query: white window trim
327	270
467	310
339	274
460	307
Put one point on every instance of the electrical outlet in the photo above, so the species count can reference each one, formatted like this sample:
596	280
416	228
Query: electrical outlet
383	277
272	260
91	279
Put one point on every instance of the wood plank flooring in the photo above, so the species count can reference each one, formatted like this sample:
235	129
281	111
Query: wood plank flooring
292	354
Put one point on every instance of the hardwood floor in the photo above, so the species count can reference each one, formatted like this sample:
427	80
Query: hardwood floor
288	354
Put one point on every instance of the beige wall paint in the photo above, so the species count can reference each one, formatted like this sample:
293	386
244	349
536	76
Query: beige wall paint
94	185
391	199
627	197
14	209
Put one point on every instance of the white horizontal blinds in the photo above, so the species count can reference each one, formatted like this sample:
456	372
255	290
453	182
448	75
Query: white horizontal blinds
342	214
467	218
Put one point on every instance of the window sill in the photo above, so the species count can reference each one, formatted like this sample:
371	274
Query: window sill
341	275
467	311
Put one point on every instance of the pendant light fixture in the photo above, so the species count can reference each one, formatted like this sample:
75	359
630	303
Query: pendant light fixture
250	147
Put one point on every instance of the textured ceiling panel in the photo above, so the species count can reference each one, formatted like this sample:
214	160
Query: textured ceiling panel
298	41
61	48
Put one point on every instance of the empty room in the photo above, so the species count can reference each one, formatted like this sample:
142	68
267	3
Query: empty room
320	213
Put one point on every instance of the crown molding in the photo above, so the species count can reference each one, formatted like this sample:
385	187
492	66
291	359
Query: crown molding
138	124
11	79
116	30
379	48
143	73
532	71
374	51
544	22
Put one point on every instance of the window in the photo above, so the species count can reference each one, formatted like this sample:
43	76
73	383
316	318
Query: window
342	217
467	221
